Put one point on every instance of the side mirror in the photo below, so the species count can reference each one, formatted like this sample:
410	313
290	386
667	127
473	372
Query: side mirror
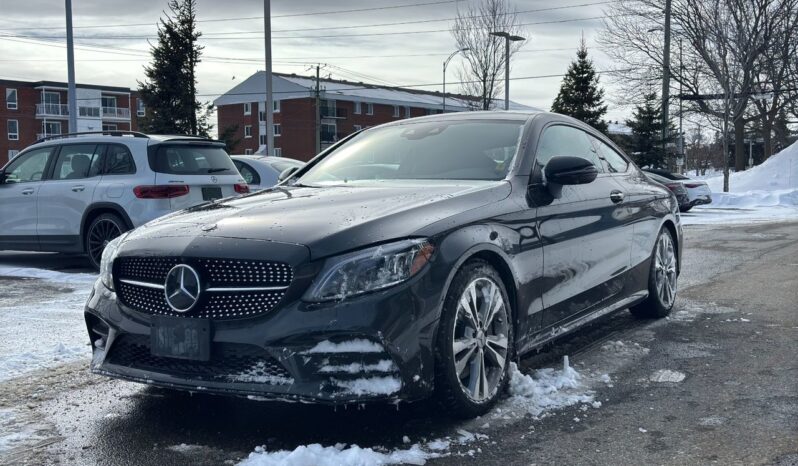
567	170
287	173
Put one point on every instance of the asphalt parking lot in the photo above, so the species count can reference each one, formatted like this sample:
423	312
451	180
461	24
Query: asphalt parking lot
716	383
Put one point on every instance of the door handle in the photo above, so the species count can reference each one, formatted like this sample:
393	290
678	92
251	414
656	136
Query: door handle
616	196
78	188
27	191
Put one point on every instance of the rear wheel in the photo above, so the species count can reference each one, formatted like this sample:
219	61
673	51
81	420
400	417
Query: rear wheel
100	232
474	341
662	280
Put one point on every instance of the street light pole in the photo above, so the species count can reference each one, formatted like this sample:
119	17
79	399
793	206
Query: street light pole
666	75
445	64
267	28
72	101
507	39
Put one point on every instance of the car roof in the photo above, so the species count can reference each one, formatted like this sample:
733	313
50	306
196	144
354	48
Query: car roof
266	158
118	136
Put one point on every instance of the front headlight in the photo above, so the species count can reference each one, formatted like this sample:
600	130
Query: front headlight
107	261
368	270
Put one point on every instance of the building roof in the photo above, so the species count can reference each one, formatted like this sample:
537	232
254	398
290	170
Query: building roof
291	86
618	128
58	84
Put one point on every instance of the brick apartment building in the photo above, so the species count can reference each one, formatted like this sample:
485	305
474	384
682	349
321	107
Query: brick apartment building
344	107
31	110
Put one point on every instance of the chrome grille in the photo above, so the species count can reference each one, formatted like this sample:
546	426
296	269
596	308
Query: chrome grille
231	288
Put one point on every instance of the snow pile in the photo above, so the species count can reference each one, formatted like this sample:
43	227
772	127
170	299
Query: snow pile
776	174
339	455
547	389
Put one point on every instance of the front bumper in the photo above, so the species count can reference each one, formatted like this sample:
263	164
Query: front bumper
701	200
374	347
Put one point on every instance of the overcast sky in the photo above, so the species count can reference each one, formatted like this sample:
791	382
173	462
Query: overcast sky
234	48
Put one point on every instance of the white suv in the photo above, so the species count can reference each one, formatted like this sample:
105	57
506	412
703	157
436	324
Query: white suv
75	193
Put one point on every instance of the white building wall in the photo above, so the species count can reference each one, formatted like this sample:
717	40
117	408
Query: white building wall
89	98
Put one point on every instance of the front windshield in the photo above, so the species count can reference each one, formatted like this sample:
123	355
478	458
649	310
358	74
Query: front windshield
439	150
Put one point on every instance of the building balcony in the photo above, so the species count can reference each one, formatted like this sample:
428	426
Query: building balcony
332	112
116	113
52	110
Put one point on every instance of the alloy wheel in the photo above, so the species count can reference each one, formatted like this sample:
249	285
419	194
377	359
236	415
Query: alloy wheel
480	340
102	232
665	270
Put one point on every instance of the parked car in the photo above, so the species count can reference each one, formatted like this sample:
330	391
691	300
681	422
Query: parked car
261	172
77	192
698	191
676	188
412	259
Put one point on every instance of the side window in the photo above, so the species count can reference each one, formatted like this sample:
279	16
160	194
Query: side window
118	161
28	167
247	172
75	161
566	140
613	161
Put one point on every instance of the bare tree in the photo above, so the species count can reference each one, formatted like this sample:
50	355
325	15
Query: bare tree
723	42
483	72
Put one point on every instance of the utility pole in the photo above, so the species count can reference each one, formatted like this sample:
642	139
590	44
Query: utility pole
682	154
71	97
666	76
267	27
507	39
317	91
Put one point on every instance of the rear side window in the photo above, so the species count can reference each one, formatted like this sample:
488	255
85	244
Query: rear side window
614	162
568	141
118	161
186	159
248	173
75	161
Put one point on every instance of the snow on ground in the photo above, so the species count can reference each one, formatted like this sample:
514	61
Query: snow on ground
41	319
765	193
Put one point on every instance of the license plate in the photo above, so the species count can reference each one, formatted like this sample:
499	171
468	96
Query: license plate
211	193
180	338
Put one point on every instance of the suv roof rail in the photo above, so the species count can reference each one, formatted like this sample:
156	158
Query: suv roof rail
135	134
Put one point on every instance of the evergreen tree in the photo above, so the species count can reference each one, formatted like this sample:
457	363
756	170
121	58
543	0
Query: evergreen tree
646	143
580	95
169	91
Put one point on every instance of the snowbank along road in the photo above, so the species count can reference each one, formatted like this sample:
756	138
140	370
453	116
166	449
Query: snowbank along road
715	383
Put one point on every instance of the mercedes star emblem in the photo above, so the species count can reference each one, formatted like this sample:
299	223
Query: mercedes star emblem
214	179
182	288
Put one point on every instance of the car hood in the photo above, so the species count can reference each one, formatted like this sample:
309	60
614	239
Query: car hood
328	220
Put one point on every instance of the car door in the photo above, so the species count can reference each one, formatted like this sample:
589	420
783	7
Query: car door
585	246
66	193
19	193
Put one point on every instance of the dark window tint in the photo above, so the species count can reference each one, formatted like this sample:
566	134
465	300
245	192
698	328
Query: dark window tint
118	161
613	161
192	160
247	172
28	166
567	141
75	161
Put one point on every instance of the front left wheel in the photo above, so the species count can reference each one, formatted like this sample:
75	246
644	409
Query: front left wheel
100	232
474	345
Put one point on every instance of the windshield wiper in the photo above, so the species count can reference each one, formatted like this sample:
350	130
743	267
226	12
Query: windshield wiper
217	170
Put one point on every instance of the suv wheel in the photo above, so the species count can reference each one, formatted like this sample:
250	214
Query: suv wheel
101	231
662	279
474	341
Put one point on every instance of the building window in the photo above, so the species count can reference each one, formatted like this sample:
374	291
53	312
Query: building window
13	130
140	108
110	127
278	130
357	108
369	109
247	108
11	99
276	106
51	128
407	112
358	127
261	116
248	131
262	140
12	153
278	152
108	101
396	111
247	151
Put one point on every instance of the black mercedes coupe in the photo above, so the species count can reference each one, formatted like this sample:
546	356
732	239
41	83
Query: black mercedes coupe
413	259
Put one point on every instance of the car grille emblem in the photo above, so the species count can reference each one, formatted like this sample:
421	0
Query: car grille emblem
182	288
214	179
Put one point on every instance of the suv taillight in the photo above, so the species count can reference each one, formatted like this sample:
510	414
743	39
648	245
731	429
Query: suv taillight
692	185
160	191
241	188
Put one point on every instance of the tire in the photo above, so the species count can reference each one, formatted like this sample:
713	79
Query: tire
479	351
101	230
662	279
685	209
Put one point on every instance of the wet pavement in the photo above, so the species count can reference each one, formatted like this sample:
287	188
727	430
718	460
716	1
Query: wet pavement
717	383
